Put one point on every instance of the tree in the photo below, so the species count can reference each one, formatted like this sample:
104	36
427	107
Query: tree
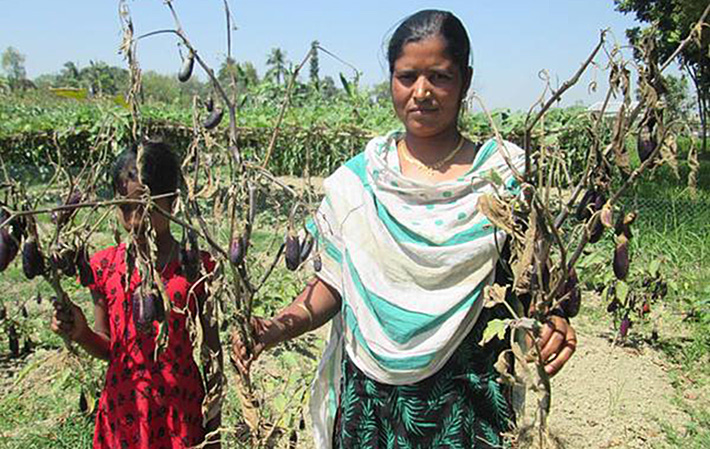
328	88
671	21
244	74
277	62
678	102
101	78
69	76
313	75
160	88
13	64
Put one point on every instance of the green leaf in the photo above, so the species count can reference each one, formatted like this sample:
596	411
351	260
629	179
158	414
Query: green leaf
622	291
653	268
346	85
495	328
493	177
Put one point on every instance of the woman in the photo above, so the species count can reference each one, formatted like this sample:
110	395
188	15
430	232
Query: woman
405	257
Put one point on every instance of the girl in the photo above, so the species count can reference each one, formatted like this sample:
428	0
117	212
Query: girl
146	402
405	257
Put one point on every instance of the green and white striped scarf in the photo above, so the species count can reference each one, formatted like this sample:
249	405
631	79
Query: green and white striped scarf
409	260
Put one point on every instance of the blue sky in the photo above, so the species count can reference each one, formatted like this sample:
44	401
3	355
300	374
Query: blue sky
512	40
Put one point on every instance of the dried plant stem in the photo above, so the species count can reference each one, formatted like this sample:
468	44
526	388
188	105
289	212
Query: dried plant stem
284	106
530	124
687	40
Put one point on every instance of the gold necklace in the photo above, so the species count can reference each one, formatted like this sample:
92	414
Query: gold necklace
421	165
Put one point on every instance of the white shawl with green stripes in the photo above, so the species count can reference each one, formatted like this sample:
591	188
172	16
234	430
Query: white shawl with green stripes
409	260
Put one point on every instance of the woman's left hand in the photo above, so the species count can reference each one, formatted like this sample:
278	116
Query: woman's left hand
558	341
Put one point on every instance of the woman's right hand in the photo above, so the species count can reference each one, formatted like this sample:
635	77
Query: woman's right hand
242	356
69	321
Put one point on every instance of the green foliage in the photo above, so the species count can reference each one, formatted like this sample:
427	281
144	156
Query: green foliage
13	64
243	73
313	67
277	63
670	22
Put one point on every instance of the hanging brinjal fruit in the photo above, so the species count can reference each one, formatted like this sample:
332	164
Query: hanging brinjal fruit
293	252
306	248
213	119
186	70
583	213
573	302
32	259
646	142
238	250
10	237
86	273
145	310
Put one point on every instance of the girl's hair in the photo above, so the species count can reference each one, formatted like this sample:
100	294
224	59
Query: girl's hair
428	23
161	170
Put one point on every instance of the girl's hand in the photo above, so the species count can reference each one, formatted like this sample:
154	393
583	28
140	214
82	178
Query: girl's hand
69	321
558	341
241	356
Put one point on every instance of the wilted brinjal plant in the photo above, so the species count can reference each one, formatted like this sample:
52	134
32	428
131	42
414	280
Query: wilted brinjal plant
215	208
555	212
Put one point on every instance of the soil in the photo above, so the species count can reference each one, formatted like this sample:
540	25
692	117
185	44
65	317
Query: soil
612	396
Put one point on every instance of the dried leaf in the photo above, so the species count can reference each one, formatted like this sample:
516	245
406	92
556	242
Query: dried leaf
494	295
694	167
503	368
522	267
669	153
497	211
607	216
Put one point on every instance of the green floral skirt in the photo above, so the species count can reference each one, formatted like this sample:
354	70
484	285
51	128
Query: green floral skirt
461	406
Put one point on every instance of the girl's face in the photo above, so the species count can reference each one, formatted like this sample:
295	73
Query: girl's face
131	216
427	87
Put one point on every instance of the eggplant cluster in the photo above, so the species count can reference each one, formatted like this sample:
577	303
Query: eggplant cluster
297	251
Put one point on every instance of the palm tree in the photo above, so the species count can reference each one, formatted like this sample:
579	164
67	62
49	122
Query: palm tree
277	62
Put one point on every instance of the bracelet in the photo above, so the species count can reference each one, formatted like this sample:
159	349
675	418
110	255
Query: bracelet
308	312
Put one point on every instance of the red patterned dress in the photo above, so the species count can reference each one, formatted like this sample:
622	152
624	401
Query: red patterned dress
147	403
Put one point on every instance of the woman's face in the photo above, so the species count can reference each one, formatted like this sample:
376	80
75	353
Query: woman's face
427	87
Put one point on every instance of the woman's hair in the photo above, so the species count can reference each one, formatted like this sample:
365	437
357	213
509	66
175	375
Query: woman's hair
160	170
428	23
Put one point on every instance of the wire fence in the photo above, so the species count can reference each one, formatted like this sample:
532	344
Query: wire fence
668	213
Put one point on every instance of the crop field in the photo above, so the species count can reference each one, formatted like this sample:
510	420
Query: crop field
42	384
610	223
